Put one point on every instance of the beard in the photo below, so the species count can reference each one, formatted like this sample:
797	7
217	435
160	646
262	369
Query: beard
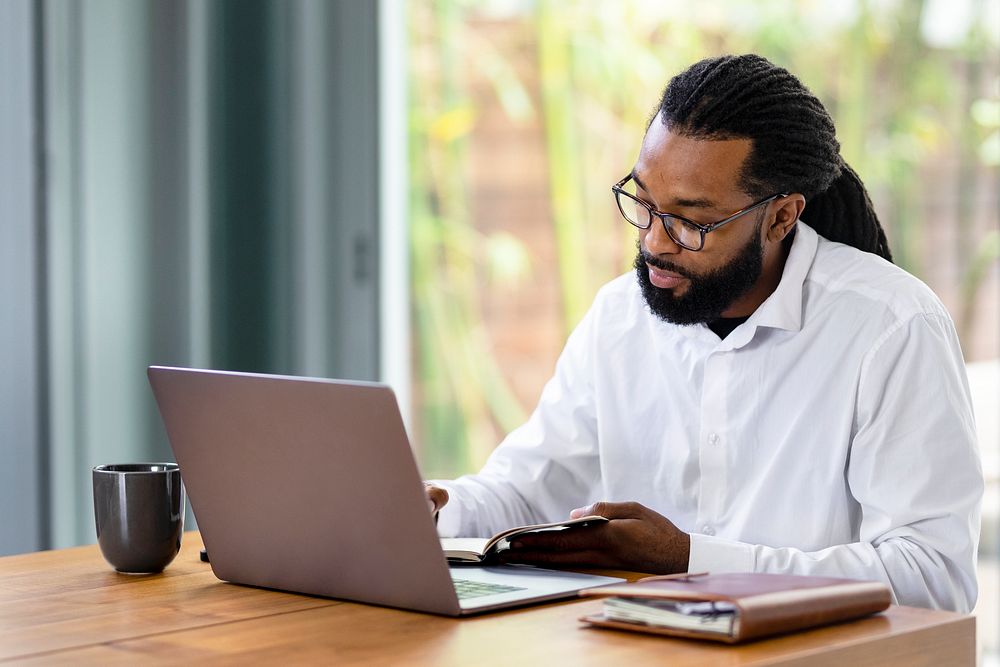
709	294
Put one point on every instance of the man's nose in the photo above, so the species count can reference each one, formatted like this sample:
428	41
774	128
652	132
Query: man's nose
658	241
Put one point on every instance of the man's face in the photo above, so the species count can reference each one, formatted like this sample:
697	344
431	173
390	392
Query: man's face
697	179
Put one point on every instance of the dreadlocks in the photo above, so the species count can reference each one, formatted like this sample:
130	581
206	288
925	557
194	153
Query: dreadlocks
795	147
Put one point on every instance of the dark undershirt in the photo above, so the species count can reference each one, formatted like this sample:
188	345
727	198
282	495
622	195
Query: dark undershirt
725	325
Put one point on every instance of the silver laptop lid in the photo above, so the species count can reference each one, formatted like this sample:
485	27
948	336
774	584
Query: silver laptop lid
255	452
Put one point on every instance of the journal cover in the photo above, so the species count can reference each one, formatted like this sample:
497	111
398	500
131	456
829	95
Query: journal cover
734	607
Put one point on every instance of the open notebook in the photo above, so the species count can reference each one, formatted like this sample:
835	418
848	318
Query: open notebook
485	549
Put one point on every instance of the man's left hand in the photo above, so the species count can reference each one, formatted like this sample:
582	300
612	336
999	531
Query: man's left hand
636	538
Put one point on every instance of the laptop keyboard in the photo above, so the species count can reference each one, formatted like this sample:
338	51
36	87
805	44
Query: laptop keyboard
473	589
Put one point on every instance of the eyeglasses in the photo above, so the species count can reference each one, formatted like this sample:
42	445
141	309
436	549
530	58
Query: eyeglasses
685	233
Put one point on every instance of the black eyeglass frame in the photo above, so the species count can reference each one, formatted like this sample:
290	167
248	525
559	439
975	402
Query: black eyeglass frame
618	190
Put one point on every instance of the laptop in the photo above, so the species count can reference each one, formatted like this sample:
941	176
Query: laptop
310	486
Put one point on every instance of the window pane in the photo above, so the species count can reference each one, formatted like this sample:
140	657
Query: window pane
523	115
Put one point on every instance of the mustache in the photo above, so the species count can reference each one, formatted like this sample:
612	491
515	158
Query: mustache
663	265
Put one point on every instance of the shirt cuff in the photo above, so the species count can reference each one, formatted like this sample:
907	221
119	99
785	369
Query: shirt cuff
449	517
715	554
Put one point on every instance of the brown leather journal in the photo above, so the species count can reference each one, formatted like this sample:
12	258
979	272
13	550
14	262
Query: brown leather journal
734	607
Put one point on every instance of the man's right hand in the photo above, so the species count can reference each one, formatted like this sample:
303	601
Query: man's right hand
436	497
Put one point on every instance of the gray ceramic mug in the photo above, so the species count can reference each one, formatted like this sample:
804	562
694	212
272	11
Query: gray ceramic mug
139	512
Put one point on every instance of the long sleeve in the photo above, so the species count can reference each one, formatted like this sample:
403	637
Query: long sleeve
829	434
914	470
544	468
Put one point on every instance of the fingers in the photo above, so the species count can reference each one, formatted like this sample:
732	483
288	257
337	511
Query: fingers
636	538
588	538
629	510
436	496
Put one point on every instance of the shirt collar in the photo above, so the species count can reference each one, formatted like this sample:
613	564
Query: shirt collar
783	308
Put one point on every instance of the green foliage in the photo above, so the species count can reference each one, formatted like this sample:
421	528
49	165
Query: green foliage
901	106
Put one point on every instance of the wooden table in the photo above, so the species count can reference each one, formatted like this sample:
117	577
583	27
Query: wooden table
69	607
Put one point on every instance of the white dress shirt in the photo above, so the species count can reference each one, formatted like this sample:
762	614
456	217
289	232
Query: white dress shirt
829	434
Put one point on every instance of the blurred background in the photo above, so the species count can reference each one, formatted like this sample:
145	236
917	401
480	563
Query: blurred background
416	192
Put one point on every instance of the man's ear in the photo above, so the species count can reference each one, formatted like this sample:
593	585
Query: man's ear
786	214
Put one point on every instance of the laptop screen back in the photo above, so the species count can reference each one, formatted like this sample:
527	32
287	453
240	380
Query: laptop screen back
305	485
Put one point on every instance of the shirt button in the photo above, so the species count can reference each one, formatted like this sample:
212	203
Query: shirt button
713	438
708	530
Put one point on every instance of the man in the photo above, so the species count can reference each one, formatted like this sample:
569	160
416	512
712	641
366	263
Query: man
766	393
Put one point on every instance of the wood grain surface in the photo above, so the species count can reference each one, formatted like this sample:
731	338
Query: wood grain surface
69	607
